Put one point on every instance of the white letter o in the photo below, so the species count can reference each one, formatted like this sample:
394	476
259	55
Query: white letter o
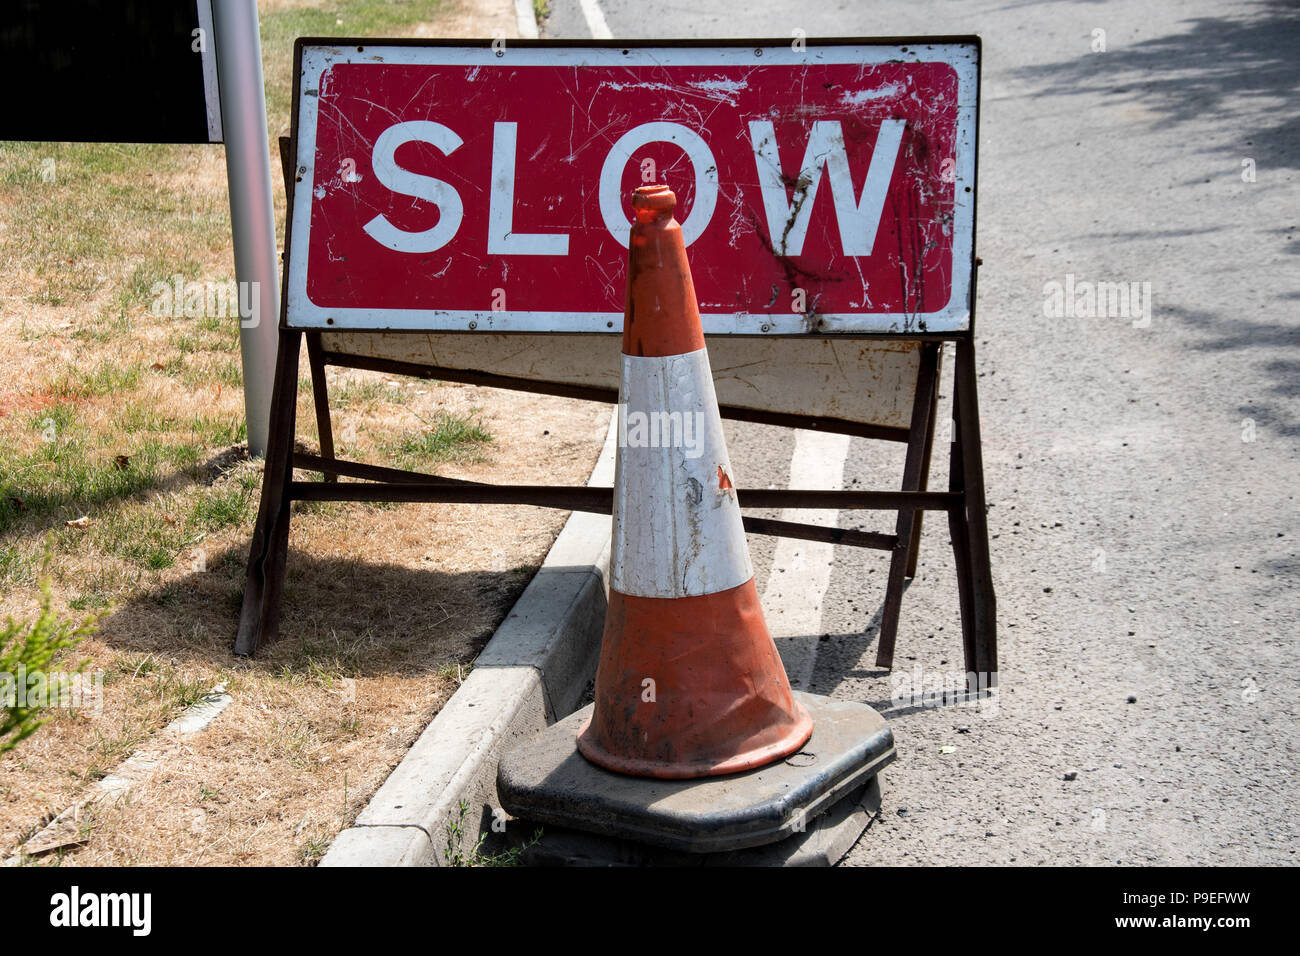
701	157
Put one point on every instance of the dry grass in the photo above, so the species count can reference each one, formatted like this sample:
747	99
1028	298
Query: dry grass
135	421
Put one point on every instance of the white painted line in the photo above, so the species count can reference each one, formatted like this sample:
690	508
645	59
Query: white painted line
199	715
595	20
526	19
801	570
63	830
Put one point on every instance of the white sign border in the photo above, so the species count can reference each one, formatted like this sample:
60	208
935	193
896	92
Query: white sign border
955	317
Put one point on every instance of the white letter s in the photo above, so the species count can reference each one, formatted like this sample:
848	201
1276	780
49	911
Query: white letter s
450	209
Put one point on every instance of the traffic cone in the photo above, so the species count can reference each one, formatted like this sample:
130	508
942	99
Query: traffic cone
690	683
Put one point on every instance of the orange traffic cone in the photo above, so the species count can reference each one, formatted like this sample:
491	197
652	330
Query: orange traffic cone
690	683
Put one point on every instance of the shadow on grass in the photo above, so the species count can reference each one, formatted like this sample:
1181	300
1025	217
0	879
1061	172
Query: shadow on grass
341	616
26	506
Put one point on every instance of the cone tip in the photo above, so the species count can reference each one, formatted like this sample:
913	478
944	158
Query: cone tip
653	202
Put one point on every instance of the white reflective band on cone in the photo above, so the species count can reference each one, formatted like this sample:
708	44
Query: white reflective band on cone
677	530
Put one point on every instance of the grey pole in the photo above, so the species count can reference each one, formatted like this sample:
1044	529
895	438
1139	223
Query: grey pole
252	214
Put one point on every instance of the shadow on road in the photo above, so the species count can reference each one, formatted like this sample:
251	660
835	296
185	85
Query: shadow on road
1240	66
1240	69
1275	408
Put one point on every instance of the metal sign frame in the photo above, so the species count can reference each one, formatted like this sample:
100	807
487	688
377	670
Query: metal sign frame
963	501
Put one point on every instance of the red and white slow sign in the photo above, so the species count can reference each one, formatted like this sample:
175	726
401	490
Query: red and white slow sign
821	187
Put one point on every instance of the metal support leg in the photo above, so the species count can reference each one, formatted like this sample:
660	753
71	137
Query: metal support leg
259	618
917	446
983	602
320	396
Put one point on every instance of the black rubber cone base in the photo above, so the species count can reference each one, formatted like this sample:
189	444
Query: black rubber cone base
825	841
546	781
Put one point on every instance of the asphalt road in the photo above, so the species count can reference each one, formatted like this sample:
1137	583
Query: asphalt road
1142	480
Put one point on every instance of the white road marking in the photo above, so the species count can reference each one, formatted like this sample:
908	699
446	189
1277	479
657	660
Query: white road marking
801	570
595	20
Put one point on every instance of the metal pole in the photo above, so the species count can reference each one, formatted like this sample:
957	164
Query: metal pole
252	214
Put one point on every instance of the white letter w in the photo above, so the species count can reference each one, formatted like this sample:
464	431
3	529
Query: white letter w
859	221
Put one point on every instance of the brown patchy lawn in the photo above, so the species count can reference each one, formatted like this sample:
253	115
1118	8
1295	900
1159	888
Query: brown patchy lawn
135	421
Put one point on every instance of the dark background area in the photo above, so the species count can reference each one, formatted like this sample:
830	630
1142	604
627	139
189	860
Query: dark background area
101	71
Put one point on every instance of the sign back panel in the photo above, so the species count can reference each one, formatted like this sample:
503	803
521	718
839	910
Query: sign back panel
109	71
820	190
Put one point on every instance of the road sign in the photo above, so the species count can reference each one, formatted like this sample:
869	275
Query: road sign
447	202
109	71
823	188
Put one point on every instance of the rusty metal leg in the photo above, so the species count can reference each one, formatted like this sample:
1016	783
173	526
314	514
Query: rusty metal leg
321	399
983	602
917	444
961	545
914	549
264	581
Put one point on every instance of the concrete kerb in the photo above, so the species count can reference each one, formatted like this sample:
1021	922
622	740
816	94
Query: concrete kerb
532	672
526	19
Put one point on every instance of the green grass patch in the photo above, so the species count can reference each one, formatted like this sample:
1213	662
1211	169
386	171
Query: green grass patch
219	431
210	374
105	379
221	507
89	601
339	19
367	391
138	288
446	438
228	374
61	191
108	749
105	327
54	421
72	474
143	418
17	566
139	535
